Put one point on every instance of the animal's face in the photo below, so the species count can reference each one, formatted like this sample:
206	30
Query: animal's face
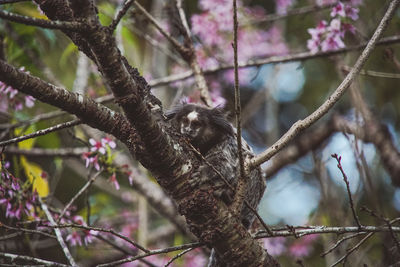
203	127
191	124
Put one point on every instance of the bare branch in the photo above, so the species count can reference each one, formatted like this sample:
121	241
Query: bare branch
352	250
42	152
48	24
339	165
274	59
80	226
42	132
328	104
60	239
14	257
90	112
180	48
121	13
242	180
293	12
301	231
80	192
178	256
340	241
372	73
152	252
190	56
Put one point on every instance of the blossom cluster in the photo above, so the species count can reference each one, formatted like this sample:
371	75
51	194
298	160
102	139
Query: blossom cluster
302	247
75	237
214	27
101	156
97	150
329	36
20	201
10	98
16	197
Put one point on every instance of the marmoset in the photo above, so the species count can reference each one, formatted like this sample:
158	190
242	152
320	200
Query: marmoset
213	136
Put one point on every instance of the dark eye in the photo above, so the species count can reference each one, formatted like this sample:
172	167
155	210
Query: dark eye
196	124
185	120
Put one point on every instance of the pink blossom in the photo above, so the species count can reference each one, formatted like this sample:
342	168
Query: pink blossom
86	156
213	4
347	27
313	45
338	10
207	29
95	162
79	220
97	146
90	158
113	179
335	28
302	247
29	101
195	259
130	177
18	105
275	246
74	239
332	42
317	33
13	92
88	237
351	12
108	141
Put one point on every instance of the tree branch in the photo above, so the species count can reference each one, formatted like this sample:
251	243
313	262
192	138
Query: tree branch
48	24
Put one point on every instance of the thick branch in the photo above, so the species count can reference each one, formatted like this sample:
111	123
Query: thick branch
90	112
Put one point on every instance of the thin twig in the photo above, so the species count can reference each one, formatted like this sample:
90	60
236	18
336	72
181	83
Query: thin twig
352	249
42	132
296	11
301	56
48	152
60	239
242	179
152	252
387	222
337	94
80	192
48	24
339	165
178	256
172	40
301	231
51	114
121	13
15	257
99	230
190	56
27	230
340	241
374	73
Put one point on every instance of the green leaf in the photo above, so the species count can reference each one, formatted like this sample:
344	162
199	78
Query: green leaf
70	49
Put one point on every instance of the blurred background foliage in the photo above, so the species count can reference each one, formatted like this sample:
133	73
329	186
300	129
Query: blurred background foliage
308	192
